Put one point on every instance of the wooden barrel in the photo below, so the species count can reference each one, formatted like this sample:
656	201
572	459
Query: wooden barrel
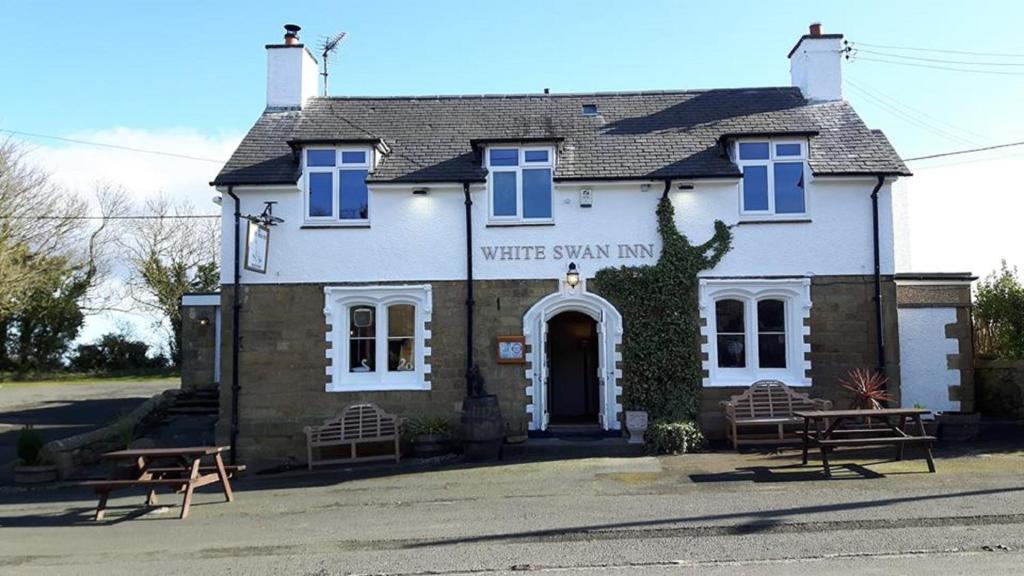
481	428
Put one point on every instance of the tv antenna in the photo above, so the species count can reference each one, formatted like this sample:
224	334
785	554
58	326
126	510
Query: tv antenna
329	45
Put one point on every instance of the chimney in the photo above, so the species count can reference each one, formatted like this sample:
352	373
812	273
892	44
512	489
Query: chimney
815	65
291	72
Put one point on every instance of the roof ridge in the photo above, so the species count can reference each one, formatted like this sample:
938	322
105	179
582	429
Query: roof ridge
556	94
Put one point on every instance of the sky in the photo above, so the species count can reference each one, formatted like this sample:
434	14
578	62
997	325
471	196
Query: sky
188	77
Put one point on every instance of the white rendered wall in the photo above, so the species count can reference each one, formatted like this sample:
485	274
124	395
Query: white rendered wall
291	77
816	68
422	238
924	374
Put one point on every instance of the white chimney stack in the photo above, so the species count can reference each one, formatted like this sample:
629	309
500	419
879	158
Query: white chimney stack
815	65
291	72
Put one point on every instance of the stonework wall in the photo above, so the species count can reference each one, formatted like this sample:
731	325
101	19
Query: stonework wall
283	362
843	337
198	347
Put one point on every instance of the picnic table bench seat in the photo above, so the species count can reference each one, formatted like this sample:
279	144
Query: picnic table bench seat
361	423
767	403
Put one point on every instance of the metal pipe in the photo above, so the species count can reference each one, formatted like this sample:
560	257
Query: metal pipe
469	289
879	329
236	313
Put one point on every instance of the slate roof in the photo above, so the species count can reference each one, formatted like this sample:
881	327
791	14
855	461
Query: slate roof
640	135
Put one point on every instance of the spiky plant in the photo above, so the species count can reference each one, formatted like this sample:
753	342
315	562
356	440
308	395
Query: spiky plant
868	388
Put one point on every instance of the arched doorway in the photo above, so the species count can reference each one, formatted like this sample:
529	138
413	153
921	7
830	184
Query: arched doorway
573	378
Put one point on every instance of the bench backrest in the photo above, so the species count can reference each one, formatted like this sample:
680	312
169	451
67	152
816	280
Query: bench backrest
356	422
770	399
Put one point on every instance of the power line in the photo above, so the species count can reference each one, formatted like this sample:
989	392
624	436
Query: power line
940	60
911	119
114	146
940	50
936	67
970	151
911	109
141	217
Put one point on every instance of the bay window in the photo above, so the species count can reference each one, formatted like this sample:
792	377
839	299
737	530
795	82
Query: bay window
335	185
774	177
520	184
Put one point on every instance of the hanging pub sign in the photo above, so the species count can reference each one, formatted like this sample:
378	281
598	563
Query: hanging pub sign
511	350
256	246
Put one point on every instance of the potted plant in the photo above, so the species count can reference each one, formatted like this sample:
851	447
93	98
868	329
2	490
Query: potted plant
431	436
31	466
516	430
868	389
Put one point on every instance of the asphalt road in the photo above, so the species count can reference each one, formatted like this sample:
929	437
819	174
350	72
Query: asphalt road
696	514
62	410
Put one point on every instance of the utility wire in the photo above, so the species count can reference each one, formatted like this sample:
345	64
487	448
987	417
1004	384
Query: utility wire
911	119
939	60
939	50
142	217
937	67
114	146
970	151
857	82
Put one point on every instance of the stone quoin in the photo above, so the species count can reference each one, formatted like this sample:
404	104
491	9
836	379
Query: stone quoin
390	209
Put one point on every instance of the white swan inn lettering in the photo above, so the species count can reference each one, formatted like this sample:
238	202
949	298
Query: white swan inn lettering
569	252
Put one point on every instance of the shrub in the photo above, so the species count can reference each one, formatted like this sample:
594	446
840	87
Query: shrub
30	447
115	353
867	388
674	437
999	314
430	426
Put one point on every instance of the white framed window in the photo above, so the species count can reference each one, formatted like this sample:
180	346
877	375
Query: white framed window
775	176
334	185
519	184
755	330
378	337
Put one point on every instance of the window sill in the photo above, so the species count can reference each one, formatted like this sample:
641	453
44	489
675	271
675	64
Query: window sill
797	220
315	225
514	223
378	387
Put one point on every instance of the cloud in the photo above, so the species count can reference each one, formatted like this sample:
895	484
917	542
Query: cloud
962	215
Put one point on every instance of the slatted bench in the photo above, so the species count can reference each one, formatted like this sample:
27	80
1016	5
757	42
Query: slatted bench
363	423
767	403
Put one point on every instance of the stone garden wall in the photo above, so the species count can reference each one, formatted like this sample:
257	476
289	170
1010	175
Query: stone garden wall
999	387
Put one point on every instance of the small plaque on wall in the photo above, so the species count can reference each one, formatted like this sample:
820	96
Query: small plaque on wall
511	350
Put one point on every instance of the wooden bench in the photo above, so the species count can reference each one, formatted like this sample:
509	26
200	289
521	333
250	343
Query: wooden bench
767	403
358	424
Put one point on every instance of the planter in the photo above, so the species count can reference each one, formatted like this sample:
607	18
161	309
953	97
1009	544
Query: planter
431	445
27	475
636	425
958	426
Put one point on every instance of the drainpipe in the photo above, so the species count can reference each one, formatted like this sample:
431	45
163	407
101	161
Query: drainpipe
879	329
469	290
236	338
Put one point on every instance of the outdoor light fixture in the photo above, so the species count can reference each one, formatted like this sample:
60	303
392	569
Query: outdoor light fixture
572	277
203	321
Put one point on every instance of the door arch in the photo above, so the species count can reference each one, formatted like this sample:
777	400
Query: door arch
609	337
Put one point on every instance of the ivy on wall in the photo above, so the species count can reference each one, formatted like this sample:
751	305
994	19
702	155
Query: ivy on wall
660	343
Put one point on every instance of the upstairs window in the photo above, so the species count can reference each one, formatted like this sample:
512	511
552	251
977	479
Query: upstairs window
774	177
519	184
335	185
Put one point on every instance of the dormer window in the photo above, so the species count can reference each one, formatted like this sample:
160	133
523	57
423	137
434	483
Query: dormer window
335	185
519	184
774	177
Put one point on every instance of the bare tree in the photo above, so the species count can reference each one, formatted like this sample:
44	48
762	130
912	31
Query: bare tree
171	253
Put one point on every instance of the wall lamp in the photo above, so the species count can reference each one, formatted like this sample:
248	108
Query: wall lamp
572	277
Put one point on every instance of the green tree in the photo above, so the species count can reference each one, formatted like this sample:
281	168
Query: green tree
999	314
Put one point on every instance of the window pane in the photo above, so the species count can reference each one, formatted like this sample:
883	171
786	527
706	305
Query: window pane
401	320
754	151
356	157
729	316
755	188
771	350
504	193
731	351
354	198
771	316
362	345
536	155
537	193
505	157
787	149
320	184
789	188
319	157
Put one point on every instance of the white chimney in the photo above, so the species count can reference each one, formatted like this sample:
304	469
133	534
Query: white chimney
815	65
291	72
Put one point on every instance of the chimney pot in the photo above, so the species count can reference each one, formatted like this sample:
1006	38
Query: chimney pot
291	34
815	29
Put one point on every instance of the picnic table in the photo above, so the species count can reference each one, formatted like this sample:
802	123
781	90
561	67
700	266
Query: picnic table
181	469
894	431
